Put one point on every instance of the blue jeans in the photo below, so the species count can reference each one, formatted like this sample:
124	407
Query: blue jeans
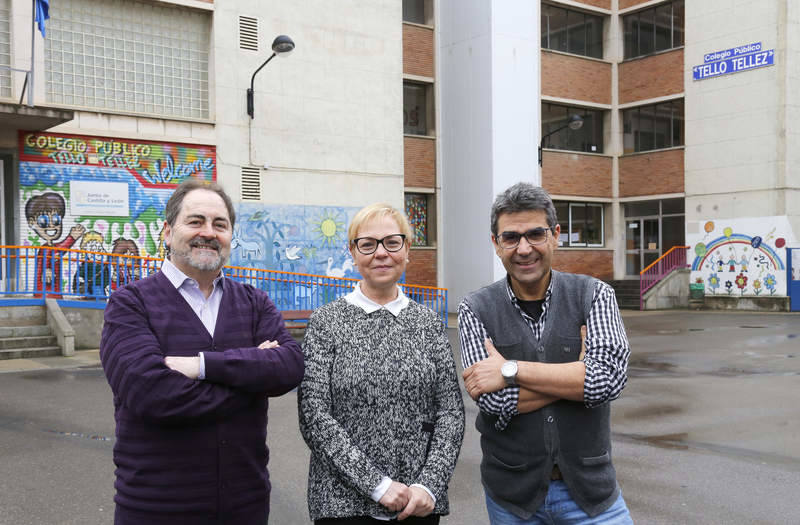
558	508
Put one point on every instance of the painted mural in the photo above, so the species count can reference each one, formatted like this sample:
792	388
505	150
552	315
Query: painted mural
108	196
99	194
303	239
741	257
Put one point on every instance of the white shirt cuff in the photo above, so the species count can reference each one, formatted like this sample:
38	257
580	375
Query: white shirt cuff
201	372
380	490
423	487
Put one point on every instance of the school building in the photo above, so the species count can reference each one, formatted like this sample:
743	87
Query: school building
685	139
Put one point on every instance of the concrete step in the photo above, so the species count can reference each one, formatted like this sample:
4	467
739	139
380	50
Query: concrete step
24	331
30	353
9	343
22	315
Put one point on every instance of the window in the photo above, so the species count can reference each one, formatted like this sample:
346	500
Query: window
589	138
653	127
128	56
5	48
417	12
572	31
420	212
656	29
581	223
417	107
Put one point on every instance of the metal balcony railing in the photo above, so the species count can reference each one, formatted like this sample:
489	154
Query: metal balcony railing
89	278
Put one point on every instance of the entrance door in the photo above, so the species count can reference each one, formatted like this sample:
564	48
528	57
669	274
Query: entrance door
793	278
642	244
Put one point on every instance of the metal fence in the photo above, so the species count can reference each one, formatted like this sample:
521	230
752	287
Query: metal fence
88	278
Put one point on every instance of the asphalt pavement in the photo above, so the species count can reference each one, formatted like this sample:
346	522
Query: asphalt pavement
706	432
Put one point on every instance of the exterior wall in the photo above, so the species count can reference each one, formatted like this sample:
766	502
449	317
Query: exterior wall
624	4
489	56
602	4
420	162
652	173
572	173
597	263
577	78
328	118
421	267
418	50
741	128
651	77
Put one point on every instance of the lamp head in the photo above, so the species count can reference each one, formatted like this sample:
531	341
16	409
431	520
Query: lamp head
282	45
575	122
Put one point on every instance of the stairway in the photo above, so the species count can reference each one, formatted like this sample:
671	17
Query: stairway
627	292
24	333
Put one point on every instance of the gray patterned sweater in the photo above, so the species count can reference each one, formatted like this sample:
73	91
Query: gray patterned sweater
379	398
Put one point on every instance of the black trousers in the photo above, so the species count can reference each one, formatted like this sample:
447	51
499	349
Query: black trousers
432	519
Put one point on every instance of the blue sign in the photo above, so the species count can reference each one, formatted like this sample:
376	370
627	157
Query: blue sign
734	60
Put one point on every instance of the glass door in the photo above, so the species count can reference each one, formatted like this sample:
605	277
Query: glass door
642	244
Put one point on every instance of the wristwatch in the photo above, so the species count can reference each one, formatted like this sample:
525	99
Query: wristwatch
509	371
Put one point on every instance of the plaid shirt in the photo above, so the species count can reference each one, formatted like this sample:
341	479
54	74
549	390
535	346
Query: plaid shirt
606	360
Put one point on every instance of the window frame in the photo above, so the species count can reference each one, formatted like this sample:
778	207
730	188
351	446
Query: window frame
565	238
592	47
634	37
430	217
593	118
427	112
646	114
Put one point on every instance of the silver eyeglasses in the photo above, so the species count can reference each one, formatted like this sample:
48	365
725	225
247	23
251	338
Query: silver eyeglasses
510	240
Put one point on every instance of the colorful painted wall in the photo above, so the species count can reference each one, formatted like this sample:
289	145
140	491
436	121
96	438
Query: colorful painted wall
303	239
741	257
99	193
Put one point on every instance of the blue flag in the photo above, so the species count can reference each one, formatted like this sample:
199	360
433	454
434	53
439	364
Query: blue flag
42	14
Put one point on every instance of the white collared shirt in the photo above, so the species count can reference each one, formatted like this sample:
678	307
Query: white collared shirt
357	298
206	308
394	307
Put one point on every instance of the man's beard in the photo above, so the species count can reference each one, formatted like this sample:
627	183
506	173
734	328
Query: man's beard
202	262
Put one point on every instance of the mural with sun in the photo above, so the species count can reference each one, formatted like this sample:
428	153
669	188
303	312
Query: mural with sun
330	226
303	239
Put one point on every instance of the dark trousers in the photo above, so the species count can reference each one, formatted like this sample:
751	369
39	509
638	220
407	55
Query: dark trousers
432	519
252	516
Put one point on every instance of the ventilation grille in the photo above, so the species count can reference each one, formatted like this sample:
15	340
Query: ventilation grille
248	33
251	184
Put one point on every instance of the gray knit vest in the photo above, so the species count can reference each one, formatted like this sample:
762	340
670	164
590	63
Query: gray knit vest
518	460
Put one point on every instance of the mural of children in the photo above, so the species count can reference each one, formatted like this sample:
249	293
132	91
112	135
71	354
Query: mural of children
45	215
720	264
94	272
732	264
744	262
127	269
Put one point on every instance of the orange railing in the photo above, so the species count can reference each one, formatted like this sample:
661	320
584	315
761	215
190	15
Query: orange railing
674	258
42	271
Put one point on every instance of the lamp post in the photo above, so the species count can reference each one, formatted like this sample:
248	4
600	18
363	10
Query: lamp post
282	45
574	122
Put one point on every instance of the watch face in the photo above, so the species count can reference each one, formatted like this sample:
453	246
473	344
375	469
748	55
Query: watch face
509	369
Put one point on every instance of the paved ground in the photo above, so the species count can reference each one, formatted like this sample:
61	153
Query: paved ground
706	432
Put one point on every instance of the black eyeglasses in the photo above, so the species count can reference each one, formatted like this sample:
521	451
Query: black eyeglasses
510	240
368	245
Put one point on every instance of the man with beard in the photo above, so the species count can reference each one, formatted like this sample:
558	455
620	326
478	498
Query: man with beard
191	357
544	405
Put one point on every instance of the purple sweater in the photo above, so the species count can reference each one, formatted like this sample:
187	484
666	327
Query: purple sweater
186	446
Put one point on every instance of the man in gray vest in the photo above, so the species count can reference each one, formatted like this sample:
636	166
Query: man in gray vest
543	392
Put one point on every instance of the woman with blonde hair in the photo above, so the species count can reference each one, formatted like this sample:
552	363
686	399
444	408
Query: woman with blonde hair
380	406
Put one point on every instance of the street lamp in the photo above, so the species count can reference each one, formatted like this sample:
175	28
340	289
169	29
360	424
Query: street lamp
574	122
282	45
